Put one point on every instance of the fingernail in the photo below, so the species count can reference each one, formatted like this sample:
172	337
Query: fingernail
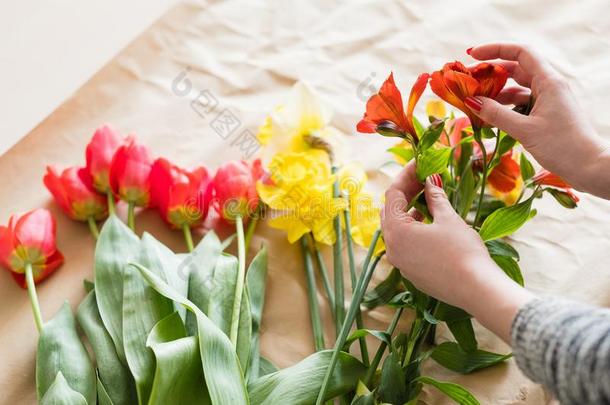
469	50
474	103
435	180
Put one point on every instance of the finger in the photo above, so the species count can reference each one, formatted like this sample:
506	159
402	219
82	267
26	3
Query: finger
438	204
529	61
406	182
498	115
514	95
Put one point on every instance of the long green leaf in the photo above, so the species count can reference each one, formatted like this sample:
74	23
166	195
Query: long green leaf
505	221
432	161
510	267
266	367
60	393
60	350
452	390
115	247
221	366
392	386
359	333
499	247
143	307
450	355
255	286
463	332
179	375
384	291
114	376
103	398
300	384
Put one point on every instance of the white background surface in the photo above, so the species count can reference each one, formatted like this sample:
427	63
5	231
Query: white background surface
50	48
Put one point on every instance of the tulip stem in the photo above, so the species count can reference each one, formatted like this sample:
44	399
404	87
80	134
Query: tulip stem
131	220
93	227
29	279
239	283
188	237
312	298
110	198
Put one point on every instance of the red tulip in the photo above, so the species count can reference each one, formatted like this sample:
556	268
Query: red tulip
130	173
385	113
182	196
454	83
235	188
73	191
30	239
99	153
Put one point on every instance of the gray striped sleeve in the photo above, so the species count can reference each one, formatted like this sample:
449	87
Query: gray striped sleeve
565	346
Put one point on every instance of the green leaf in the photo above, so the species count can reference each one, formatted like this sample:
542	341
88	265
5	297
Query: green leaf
452	390
115	247
463	332
405	154
450	355
432	161
510	267
221	366
102	394
430	318
301	383
449	313
419	128
266	367
506	143
431	135
358	333
498	247
562	198
392	385
505	221
255	285
111	372
384	291
487	133
527	170
466	192
60	350
88	285
178	374
60	393
199	268
143	307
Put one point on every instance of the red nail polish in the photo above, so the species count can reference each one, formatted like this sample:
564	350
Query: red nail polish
469	50
473	103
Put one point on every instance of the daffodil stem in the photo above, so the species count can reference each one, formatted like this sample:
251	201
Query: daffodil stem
361	286
312	299
364	350
93	227
110	198
324	274
483	178
338	263
131	218
379	354
188	237
29	280
239	283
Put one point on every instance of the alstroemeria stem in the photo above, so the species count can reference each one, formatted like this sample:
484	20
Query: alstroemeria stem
361	287
188	237
110	198
338	262
239	284
93	227
364	350
29	280
483	178
312	299
324	272
382	346
131	218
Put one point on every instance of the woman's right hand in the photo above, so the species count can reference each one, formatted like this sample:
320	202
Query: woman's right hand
556	132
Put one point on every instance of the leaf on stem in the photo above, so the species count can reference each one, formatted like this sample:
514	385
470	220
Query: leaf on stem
358	333
392	385
510	267
527	170
506	221
452	390
255	285
384	291
451	356
432	161
60	393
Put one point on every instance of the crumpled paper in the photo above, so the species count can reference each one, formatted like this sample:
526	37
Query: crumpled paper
195	87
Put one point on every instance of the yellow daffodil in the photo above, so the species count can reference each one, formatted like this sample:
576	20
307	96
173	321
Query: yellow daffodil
364	218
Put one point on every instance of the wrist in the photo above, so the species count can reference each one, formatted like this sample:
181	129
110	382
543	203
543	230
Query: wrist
589	177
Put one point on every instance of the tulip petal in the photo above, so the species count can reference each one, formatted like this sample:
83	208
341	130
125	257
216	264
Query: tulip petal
36	230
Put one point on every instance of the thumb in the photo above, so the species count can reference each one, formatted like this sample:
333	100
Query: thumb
438	204
498	115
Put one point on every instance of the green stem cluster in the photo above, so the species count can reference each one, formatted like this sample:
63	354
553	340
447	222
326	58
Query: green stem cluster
312	298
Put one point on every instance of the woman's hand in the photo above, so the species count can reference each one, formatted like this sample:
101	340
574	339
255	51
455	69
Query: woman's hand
447	259
556	132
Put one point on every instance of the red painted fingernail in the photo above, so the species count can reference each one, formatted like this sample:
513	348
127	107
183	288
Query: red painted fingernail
469	50
474	103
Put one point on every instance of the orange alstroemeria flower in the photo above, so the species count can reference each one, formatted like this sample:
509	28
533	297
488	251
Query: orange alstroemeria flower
385	113
455	82
506	175
546	178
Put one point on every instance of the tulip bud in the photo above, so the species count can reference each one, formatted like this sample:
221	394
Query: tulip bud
99	153
181	196
73	191
130	173
235	188
30	239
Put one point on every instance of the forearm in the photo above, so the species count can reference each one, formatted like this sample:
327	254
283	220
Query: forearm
596	175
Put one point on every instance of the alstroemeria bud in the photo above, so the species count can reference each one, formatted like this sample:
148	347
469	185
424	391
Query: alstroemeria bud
73	191
130	173
30	238
181	196
235	188
99	153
